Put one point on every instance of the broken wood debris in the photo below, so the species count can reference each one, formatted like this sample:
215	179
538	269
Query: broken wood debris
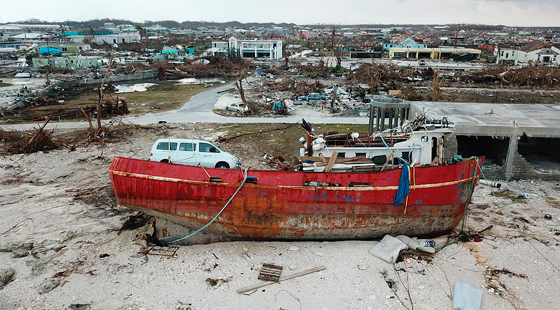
284	278
270	272
169	251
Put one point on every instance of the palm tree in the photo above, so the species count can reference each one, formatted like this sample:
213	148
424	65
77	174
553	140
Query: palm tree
62	31
143	34
92	33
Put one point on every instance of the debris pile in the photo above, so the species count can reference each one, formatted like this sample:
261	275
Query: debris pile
20	142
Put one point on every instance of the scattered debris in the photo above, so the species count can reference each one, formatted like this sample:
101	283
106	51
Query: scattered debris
135	221
388	249
6	276
21	252
48	285
466	297
295	275
183	306
79	307
162	250
495	272
270	272
217	282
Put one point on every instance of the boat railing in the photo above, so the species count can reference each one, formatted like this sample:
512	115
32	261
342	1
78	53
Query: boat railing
364	139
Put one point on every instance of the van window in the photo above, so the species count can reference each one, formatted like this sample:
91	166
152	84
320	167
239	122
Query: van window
207	148
190	147
165	146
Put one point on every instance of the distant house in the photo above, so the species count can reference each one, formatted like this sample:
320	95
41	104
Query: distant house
68	47
406	43
102	36
68	62
531	53
265	49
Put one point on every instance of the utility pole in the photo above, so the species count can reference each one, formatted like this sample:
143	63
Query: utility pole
48	61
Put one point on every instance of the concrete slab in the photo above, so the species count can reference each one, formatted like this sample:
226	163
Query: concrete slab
487	119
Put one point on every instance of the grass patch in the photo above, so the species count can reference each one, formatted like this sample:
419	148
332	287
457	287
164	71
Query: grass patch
552	202
510	195
279	142
2	84
163	96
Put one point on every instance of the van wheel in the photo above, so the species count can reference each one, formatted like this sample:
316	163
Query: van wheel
222	165
165	161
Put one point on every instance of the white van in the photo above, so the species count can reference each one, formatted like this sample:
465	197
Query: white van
192	153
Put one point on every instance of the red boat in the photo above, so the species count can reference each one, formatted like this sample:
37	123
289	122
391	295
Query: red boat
297	205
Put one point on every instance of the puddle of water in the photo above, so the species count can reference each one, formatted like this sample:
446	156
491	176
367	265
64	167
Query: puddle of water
130	88
194	81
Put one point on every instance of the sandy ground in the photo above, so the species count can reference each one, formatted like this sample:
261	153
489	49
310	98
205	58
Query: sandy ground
59	214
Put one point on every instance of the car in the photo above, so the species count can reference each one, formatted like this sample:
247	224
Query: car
422	62
315	96
415	78
192	153
237	107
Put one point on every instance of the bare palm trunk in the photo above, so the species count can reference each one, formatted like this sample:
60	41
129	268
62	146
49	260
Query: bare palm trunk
99	102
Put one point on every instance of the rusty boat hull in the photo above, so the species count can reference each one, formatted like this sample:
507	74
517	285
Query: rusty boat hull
283	206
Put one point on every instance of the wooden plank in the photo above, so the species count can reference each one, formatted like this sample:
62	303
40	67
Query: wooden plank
288	277
332	160
270	272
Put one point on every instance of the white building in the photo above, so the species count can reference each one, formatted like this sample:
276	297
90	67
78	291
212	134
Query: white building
541	54
263	49
113	38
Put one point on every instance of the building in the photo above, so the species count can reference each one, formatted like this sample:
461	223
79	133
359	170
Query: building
74	62
530	53
68	47
262	49
443	52
103	36
267	49
406	43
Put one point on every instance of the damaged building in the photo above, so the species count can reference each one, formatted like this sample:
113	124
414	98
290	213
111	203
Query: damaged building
519	141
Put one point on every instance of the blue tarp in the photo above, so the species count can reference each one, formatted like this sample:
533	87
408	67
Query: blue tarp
277	106
49	50
404	185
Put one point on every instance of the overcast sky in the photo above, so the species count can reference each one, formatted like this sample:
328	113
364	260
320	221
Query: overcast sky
507	12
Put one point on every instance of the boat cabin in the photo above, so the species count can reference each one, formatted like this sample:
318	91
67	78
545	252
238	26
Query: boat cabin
354	150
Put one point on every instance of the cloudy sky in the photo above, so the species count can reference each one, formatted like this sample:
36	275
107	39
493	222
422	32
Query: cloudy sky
507	12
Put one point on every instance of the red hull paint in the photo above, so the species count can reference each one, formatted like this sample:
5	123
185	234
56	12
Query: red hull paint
280	207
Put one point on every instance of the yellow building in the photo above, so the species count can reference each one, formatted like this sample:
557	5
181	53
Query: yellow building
455	53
